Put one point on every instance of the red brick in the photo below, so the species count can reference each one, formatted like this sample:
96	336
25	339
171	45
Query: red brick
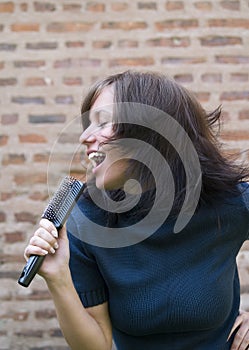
183	60
211	77
29	64
15	159
32	138
60	27
77	62
37	100
64	99
33	178
4	196
228	59
169	42
234	95
8	81
176	24
102	44
203	5
236	135
35	81
47	119
71	7
72	81
127	43
45	314
244	114
3	140
95	6
29	333
16	315
202	96
174	5
41	6
42	45
124	25
25	27
24	7
26	217
74	44
39	196
229	22
2	216
41	157
7	119
147	5
239	77
184	78
230	5
215	40
119	6
7	46
132	61
56	332
15	236
7	6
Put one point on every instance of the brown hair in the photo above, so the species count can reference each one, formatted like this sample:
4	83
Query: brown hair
219	174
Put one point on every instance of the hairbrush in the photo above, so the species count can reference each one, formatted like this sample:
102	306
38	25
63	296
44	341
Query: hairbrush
57	211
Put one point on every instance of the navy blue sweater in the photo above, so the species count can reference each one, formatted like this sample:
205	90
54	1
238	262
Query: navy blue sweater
169	291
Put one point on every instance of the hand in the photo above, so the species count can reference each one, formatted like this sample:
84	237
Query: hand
46	242
241	339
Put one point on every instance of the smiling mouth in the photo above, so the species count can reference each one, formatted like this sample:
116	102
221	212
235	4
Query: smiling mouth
96	158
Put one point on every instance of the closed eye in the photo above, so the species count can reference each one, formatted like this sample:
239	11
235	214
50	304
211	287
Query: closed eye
101	125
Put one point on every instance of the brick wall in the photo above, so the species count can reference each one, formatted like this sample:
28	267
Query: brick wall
50	52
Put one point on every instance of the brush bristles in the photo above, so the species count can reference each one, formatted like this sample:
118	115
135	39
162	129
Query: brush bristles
63	201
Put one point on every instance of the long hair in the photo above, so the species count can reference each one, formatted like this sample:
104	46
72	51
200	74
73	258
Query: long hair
220	176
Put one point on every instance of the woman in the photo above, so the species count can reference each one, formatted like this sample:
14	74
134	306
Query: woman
152	281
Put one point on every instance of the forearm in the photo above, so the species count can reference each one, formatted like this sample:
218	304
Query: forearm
79	328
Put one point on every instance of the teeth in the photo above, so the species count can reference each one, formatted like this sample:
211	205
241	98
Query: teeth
96	158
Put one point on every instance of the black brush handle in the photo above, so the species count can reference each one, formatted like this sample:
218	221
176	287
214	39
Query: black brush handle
30	269
57	212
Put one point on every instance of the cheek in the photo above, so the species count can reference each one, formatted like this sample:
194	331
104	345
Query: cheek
107	132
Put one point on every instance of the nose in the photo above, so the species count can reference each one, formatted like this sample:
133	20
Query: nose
87	136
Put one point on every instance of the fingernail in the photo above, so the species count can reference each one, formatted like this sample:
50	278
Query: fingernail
55	233
52	250
56	245
45	252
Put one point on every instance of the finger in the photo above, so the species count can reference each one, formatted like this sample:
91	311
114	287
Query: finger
238	322
34	250
241	340
243	336
43	244
49	226
46	236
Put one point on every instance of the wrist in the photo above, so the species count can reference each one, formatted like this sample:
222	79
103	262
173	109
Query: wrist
59	280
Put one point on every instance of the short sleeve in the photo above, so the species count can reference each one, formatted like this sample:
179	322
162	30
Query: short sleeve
86	276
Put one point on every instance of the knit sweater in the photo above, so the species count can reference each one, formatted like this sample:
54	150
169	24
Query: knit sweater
169	291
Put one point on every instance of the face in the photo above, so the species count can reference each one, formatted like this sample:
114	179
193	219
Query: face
108	167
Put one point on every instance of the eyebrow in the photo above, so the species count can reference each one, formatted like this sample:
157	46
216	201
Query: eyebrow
97	112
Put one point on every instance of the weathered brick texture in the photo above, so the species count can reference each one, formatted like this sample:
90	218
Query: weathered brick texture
50	53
